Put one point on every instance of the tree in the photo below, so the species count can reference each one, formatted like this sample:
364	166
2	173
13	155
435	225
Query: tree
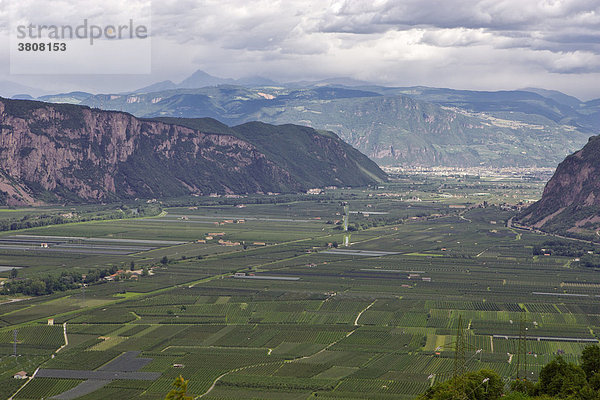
13	273
179	391
484	384
164	260
131	265
590	360
522	386
562	379
145	271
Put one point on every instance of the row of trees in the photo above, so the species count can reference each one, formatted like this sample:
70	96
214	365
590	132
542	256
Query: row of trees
565	248
557	380
51	284
590	261
34	221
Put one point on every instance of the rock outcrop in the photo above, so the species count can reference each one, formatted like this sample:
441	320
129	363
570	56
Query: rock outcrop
65	152
570	204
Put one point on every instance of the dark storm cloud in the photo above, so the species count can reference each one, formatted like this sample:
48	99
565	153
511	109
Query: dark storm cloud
556	26
478	44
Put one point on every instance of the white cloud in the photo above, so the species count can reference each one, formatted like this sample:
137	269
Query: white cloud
484	44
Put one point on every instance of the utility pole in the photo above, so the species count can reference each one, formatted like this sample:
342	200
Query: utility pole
522	347
346	220
460	366
15	333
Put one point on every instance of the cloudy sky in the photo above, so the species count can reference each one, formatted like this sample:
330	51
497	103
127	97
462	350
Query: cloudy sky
469	44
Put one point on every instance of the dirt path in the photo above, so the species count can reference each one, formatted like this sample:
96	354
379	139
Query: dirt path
66	338
276	362
361	313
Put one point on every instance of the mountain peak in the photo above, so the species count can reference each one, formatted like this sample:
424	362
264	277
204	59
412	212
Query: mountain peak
201	79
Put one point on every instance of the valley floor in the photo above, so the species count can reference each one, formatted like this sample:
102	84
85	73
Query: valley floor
275	311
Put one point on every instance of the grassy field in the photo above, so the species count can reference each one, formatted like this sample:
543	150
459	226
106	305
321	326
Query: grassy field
346	325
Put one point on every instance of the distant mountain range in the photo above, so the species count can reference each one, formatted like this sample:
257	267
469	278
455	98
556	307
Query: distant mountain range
392	125
570	204
64	152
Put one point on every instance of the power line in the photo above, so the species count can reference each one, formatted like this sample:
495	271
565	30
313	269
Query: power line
522	347
15	333
460	366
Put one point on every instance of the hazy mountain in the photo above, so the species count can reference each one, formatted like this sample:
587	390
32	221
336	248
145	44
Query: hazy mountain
70	98
254	81
339	81
67	152
10	89
22	97
570	204
157	87
391	125
201	79
557	96
520	105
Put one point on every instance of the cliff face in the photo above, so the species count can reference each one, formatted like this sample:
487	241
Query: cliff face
571	200
66	152
394	126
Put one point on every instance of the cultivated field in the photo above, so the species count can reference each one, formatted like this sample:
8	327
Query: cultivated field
375	320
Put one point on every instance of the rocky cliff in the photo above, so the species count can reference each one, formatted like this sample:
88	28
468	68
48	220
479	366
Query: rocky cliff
570	204
58	152
394	126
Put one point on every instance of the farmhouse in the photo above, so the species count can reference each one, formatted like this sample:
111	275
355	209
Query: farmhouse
228	243
20	375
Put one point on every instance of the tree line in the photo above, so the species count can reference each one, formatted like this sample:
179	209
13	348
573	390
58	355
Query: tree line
557	380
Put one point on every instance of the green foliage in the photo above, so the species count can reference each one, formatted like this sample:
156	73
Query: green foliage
590	360
480	385
179	391
562	247
51	283
590	261
522	386
559	378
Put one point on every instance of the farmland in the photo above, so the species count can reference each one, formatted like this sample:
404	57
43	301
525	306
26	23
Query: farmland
377	319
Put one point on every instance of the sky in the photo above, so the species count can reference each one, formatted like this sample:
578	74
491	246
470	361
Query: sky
463	44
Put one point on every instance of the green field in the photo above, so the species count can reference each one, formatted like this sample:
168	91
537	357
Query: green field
343	325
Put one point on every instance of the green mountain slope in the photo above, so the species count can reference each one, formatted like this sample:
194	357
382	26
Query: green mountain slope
314	158
66	152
